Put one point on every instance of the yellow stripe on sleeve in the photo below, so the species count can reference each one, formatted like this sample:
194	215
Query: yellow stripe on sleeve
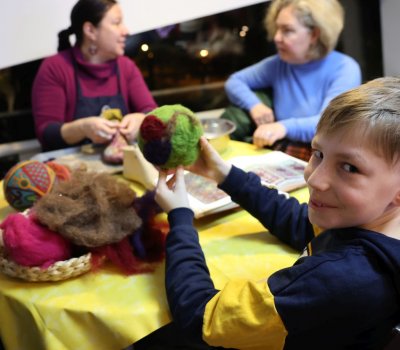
243	316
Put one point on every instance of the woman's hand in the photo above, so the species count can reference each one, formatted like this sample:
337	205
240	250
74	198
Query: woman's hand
210	164
172	194
261	114
130	124
98	130
268	134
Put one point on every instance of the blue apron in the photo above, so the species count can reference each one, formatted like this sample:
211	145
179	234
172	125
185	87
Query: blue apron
91	106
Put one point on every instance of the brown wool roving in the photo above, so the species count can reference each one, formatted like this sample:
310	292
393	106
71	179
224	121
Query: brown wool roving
90	210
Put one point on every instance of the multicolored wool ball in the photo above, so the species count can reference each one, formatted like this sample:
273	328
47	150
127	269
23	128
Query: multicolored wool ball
169	136
26	182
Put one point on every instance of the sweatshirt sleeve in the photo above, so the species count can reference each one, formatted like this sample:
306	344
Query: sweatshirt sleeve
241	314
187	278
286	219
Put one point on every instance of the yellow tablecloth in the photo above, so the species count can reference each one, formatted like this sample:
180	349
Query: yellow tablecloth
107	310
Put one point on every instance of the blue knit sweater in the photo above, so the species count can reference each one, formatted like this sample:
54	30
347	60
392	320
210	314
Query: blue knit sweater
300	92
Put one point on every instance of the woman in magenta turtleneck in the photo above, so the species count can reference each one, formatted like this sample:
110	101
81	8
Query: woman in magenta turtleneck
73	86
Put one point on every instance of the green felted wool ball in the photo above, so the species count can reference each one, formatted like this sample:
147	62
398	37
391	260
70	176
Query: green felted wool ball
169	136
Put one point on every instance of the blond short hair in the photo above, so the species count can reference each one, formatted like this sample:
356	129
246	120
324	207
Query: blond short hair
325	15
371	110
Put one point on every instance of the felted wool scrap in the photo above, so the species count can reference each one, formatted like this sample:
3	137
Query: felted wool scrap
113	153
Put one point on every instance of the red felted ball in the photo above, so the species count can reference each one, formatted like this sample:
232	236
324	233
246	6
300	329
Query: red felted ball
152	128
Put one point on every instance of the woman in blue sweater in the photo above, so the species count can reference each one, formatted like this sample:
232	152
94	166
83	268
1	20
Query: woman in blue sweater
344	290
304	75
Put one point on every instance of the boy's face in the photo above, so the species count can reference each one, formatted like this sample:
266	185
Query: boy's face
350	184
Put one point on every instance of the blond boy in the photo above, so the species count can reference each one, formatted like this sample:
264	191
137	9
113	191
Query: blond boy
343	292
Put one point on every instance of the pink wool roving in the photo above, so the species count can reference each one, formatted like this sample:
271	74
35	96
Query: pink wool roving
28	243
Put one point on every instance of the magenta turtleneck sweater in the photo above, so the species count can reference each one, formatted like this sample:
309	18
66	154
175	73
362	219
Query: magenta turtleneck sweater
54	89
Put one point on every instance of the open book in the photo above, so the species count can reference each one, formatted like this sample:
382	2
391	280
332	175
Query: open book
276	169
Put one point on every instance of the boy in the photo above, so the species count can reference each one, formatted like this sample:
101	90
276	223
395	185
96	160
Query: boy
343	293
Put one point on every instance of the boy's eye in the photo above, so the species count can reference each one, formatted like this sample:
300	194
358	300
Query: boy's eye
350	168
317	154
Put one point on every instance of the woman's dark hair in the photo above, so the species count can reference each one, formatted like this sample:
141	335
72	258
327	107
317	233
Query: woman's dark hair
91	11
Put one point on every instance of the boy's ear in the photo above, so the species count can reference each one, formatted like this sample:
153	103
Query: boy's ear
396	199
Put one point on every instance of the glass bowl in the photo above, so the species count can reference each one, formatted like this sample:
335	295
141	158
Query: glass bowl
217	131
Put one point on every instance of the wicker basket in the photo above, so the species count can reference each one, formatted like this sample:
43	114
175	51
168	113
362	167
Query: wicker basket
60	270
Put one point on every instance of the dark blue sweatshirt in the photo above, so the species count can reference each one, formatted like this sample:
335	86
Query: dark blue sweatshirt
343	293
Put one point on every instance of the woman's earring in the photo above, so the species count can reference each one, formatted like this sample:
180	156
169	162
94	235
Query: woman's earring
92	49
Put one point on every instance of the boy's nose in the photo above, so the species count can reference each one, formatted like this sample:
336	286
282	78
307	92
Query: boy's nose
318	178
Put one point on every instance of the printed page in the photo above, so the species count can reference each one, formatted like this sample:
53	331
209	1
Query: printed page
204	195
276	169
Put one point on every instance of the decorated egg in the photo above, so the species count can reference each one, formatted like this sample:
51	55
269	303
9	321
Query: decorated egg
26	182
169	136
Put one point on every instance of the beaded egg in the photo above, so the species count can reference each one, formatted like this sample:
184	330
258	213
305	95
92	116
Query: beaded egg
169	136
26	182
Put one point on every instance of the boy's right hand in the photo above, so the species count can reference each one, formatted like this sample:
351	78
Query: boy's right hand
172	194
210	164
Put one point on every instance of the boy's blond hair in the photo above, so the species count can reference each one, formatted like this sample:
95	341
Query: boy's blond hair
327	16
371	110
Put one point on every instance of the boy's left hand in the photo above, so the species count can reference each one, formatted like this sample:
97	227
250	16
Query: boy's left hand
172	194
